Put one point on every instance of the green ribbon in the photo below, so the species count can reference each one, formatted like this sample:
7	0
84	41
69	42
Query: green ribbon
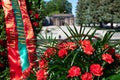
21	36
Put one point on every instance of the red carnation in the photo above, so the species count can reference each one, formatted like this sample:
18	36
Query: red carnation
36	16
3	42
62	53
43	63
0	3
35	24
87	76
3	54
117	56
49	52
111	51
74	71
107	58
88	50
87	47
105	46
30	11
68	45
96	69
85	42
41	74
1	65
62	45
71	45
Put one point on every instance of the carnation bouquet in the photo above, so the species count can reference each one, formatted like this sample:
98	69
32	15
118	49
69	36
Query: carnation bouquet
80	57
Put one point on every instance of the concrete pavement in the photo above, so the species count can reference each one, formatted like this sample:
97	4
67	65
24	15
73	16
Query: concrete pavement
59	34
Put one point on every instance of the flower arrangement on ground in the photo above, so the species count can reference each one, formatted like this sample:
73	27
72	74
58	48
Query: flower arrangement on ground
80	57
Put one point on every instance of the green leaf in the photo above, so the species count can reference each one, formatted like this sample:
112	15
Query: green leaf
87	33
66	34
113	77
72	32
74	57
107	37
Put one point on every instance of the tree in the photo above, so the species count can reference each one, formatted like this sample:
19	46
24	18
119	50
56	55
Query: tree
51	8
64	6
83	12
58	6
98	11
68	7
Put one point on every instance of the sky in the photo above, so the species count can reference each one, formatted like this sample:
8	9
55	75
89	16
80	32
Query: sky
74	4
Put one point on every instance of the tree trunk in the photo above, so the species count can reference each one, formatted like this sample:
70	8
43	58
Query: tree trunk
112	25
101	24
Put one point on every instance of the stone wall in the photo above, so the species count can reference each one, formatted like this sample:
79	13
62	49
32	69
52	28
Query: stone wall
61	19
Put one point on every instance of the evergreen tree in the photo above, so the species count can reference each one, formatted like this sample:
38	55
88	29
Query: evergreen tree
98	11
68	7
80	12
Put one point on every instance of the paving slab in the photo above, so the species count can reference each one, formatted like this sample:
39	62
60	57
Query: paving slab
59	34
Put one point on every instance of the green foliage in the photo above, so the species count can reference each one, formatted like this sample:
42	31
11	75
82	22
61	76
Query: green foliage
45	41
53	12
32	76
5	75
58	67
51	8
36	7
60	6
4	71
96	11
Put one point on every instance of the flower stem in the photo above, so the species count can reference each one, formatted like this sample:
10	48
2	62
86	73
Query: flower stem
98	78
103	64
73	59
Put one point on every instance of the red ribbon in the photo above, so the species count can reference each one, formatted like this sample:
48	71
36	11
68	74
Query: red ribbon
30	38
12	41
